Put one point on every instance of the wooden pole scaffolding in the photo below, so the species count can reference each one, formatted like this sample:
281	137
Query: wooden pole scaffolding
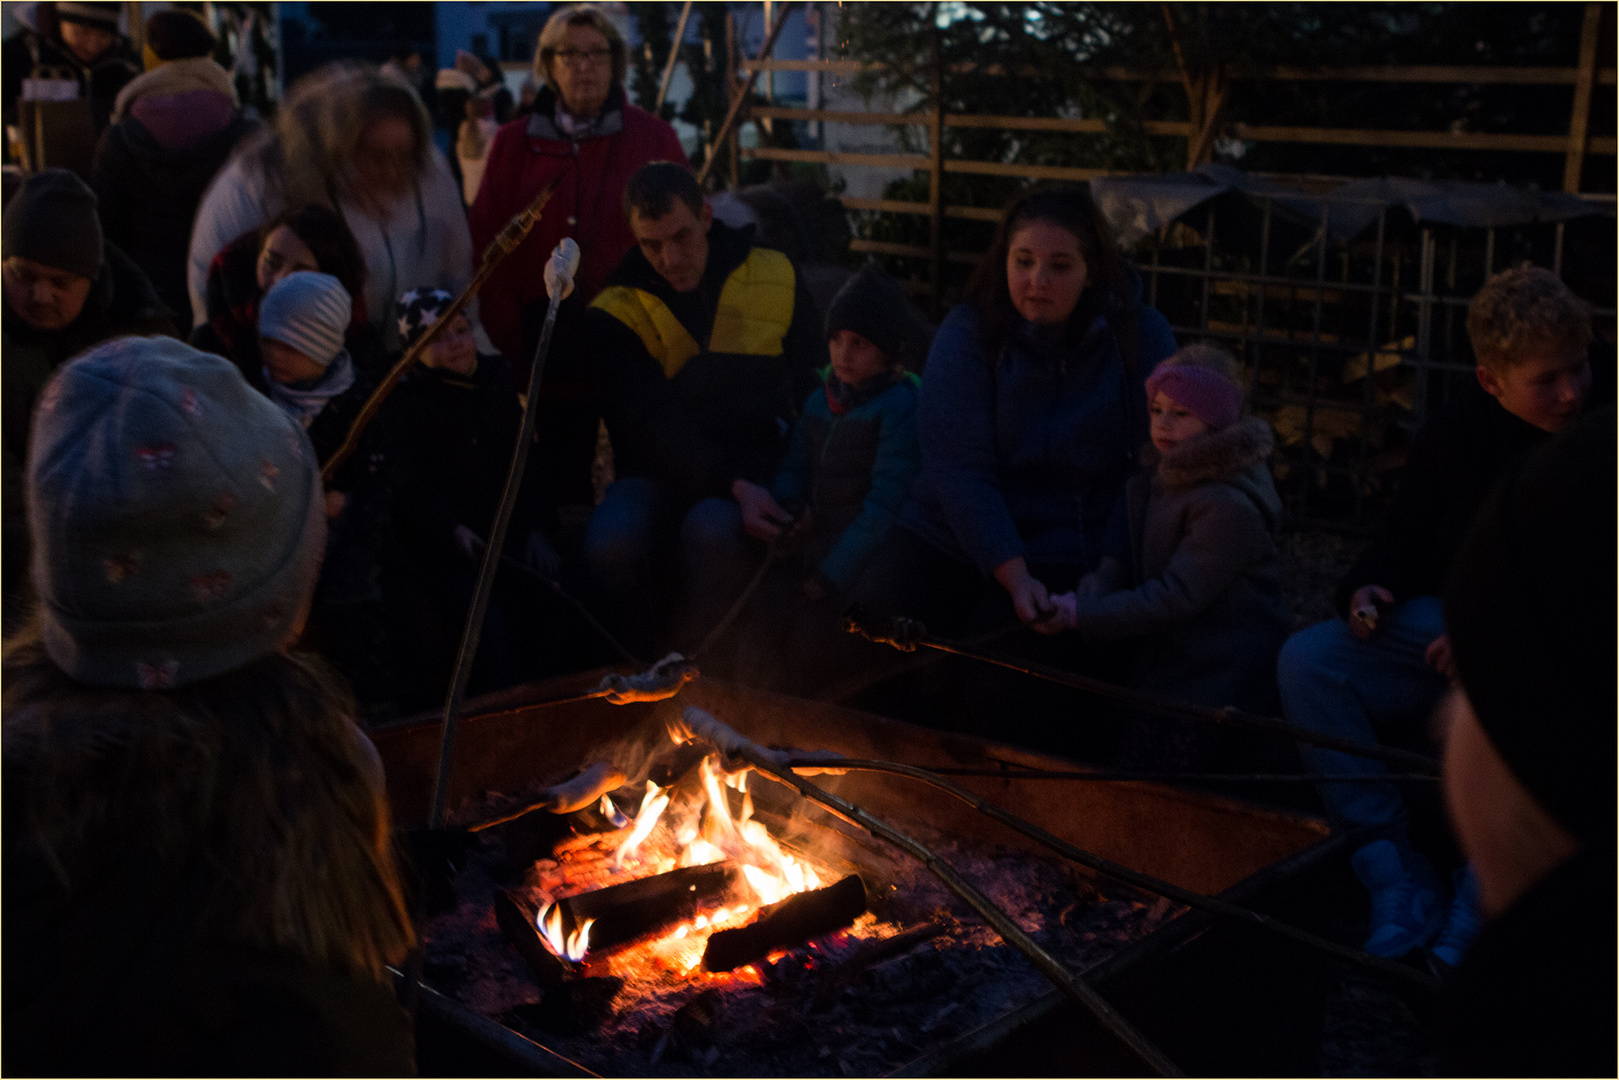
740	99
674	55
1580	120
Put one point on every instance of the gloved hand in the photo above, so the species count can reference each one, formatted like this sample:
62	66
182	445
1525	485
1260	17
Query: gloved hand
540	557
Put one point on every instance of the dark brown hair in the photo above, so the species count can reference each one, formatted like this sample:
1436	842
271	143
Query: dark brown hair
257	774
653	189
1110	290
328	238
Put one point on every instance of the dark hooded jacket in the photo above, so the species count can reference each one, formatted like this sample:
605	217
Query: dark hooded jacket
1453	463
121	301
1024	454
723	415
149	187
1197	573
456	437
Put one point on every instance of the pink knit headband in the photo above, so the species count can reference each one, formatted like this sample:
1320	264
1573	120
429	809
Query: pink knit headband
1207	395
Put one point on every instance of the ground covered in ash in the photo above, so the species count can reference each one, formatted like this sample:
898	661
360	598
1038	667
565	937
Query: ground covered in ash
835	1007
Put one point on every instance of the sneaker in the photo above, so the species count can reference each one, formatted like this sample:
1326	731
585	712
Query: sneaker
1406	913
1461	923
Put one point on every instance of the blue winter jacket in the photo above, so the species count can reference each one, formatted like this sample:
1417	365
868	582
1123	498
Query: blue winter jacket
1024	455
852	472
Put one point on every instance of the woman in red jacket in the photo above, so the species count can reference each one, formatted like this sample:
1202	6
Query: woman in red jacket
583	130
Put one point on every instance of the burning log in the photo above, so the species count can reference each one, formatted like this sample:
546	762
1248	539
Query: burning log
620	914
793	921
517	923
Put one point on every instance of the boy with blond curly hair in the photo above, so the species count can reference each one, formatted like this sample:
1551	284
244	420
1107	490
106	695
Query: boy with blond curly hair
1383	665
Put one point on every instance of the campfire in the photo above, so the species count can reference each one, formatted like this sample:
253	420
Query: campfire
672	887
705	917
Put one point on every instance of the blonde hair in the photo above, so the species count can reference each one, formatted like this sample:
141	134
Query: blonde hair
578	15
305	154
256	775
1521	309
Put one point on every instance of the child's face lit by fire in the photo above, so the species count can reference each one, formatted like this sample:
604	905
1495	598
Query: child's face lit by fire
855	359
1172	424
455	349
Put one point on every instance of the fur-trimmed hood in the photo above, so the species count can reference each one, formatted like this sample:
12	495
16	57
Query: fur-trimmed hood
1237	455
175	77
1214	455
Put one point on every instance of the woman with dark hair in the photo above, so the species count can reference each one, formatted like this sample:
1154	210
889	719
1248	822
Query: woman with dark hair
1031	416
199	879
350	138
311	237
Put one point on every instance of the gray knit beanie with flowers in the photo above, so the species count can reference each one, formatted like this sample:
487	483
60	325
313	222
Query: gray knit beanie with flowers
175	514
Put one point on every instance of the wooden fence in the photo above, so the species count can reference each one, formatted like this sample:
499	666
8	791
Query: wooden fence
1206	96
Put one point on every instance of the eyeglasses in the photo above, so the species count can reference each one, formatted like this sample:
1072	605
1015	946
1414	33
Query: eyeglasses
582	56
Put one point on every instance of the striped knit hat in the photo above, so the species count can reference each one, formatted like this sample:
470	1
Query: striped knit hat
309	311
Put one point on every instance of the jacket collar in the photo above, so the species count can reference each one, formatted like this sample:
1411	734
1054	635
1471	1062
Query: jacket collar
1214	455
727	249
542	121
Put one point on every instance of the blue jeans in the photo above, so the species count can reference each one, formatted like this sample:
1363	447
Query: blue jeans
629	531
1335	684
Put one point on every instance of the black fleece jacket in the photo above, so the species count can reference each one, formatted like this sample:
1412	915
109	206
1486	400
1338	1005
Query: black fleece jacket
1454	461
723	415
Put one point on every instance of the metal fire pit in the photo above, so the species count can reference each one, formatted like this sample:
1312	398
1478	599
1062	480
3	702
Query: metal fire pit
1184	985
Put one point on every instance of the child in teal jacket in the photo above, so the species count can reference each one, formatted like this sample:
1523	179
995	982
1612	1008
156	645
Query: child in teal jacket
848	468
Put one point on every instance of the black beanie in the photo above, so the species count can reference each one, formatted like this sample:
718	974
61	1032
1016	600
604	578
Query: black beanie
874	306
52	220
1529	607
177	34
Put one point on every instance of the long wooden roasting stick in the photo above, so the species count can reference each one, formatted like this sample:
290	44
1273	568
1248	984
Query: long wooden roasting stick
503	245
733	744
1211	904
906	634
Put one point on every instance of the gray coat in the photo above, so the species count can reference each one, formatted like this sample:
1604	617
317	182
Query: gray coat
1203	586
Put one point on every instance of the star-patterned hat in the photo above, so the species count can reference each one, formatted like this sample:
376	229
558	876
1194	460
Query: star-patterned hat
176	515
419	309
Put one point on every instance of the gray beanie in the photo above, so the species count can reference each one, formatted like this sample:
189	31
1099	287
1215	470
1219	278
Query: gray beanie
309	311
176	516
873	305
52	220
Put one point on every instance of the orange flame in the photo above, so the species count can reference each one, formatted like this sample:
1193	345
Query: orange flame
696	830
572	946
652	806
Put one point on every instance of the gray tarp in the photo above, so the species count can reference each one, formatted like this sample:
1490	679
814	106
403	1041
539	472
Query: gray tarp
1137	205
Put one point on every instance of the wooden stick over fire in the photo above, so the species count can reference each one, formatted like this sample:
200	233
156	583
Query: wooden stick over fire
731	742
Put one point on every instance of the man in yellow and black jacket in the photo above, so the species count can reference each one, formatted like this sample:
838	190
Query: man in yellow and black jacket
705	345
